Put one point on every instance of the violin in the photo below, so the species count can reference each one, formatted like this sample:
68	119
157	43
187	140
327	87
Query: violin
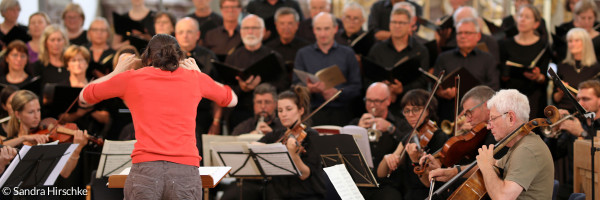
474	187
63	133
458	147
298	128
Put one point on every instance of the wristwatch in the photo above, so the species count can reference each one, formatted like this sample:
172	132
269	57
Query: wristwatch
391	128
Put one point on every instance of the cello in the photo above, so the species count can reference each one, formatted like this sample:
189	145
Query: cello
474	187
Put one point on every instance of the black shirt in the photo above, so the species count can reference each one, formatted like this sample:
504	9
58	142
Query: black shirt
52	74
481	64
266	11
17	32
219	41
379	17
575	75
104	64
205	24
80	40
385	54
343	38
287	51
509	26
18	85
290	187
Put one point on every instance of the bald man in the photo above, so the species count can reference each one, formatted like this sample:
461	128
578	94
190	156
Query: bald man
324	53
377	101
305	28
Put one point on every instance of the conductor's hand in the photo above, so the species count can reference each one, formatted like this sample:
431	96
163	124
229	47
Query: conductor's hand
126	62
248	84
189	64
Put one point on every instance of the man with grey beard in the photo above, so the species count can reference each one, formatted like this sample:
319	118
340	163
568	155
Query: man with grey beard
252	30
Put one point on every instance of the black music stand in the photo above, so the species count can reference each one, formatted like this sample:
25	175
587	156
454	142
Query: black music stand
588	115
263	165
342	149
37	166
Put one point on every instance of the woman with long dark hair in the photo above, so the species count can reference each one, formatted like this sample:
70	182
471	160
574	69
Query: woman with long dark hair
162	98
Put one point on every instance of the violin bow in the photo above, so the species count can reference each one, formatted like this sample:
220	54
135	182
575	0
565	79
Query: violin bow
412	133
456	101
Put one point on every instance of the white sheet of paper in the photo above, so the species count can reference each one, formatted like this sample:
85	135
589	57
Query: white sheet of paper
362	140
60	165
282	159
343	183
116	156
217	173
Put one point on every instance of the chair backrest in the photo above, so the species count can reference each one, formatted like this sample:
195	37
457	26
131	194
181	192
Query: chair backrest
327	129
362	140
577	196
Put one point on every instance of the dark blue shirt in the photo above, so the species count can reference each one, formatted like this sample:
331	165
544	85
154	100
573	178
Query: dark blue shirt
311	59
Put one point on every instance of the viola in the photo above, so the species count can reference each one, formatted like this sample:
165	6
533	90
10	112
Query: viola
63	133
474	187
458	147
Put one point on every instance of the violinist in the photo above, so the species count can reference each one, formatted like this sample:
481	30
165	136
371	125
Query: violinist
475	111
292	107
400	163
384	137
25	121
509	109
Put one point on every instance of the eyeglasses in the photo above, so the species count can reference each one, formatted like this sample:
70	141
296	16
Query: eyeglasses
18	55
247	28
399	22
469	112
415	110
375	101
229	7
466	33
350	18
98	30
496	117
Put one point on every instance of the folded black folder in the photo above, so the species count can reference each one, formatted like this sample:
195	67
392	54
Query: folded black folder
406	70
268	68
59	98
363	43
34	85
445	23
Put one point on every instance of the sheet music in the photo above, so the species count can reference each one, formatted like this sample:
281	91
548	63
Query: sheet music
303	76
281	159
343	183
9	170
217	173
361	138
60	165
235	161
209	157
116	156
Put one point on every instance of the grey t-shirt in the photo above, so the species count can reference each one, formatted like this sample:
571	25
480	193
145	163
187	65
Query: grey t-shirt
529	164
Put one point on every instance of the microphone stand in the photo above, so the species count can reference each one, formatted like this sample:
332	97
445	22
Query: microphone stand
588	115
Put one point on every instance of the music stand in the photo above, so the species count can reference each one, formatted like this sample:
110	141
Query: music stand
588	115
37	166
342	149
261	164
